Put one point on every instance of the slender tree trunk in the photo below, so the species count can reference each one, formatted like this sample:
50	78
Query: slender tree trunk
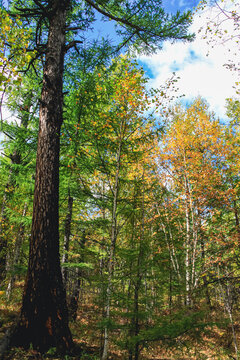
3	239
133	351
136	299
208	298
139	272
131	288
44	319
195	239
170	288
236	218
114	230
187	252
73	302
15	159
16	255
67	233
226	295
172	253
102	267
170	244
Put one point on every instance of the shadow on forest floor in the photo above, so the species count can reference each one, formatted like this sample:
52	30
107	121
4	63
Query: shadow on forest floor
214	345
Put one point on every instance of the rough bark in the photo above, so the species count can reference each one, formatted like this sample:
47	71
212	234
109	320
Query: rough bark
44	319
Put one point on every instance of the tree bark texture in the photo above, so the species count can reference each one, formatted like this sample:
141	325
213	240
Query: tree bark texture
44	319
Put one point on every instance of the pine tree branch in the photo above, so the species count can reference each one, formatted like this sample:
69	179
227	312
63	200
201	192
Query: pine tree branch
118	19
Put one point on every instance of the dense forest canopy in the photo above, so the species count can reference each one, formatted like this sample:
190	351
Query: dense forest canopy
119	222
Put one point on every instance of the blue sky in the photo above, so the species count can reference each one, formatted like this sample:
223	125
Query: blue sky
201	63
174	5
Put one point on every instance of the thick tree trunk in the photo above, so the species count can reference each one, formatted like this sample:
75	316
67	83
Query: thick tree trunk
44	319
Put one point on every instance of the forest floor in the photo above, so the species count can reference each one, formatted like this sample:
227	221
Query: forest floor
214	344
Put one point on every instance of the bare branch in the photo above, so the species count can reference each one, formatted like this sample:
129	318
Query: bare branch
73	44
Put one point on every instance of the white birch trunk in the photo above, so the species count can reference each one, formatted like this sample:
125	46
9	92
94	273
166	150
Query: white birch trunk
187	249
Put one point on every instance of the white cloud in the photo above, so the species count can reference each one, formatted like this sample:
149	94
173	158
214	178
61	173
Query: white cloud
199	65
